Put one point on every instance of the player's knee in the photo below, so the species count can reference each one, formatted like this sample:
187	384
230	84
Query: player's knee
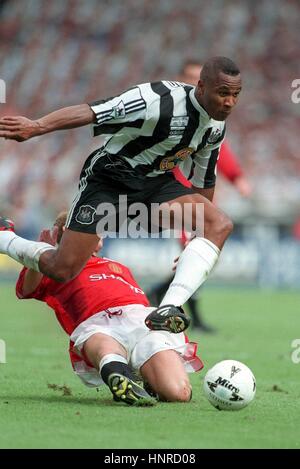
184	394
220	225
180	392
226	225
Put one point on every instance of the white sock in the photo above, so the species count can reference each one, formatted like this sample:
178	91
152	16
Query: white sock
111	357
26	252
194	265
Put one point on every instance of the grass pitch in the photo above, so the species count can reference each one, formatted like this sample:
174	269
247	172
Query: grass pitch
43	405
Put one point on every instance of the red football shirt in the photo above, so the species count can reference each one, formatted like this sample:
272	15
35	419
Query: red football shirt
228	164
102	284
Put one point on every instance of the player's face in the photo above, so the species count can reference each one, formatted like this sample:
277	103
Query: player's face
219	96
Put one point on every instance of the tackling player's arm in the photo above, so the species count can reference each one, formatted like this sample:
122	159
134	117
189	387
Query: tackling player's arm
31	281
30	278
20	128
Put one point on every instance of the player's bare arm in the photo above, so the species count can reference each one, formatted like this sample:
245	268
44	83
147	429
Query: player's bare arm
32	279
21	128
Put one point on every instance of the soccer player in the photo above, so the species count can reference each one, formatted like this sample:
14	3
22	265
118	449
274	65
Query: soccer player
230	168
103	311
151	128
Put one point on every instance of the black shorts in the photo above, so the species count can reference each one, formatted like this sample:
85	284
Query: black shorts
101	184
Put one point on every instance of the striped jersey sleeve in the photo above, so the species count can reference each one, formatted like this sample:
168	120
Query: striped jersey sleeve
125	110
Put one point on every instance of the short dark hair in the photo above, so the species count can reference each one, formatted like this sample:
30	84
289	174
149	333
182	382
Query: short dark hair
213	66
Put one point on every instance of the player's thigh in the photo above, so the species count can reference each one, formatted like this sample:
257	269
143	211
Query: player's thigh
159	357
99	345
166	374
178	207
162	365
192	212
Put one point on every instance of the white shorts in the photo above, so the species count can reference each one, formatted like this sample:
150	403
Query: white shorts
126	325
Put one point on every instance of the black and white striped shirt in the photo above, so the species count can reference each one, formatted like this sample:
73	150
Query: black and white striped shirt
157	126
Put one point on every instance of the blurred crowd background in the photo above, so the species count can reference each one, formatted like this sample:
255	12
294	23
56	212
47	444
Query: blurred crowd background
59	53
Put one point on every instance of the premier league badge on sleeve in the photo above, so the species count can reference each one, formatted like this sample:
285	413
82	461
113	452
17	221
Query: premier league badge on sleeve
118	111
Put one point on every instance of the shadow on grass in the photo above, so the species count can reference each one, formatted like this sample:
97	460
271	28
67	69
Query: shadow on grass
9	400
88	401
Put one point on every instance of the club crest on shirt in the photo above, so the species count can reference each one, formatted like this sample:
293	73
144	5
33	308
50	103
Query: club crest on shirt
118	111
169	163
115	268
86	215
214	136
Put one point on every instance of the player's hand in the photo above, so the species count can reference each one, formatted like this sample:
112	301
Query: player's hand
18	128
48	236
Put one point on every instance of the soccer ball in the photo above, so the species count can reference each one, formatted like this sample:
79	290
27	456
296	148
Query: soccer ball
229	385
